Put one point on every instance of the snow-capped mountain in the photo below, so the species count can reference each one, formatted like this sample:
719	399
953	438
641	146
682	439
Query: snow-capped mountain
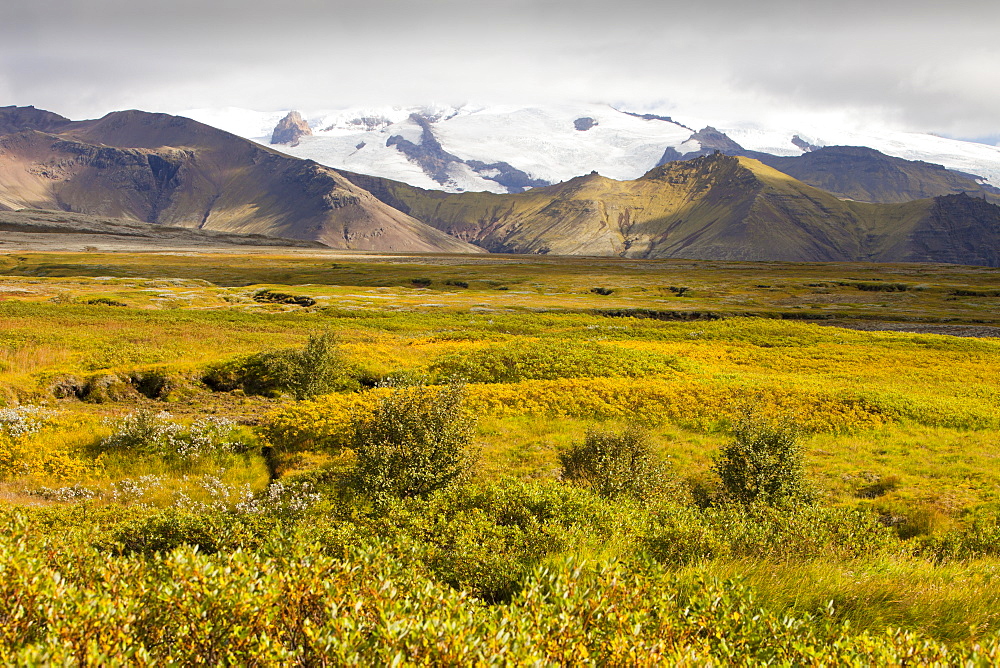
512	148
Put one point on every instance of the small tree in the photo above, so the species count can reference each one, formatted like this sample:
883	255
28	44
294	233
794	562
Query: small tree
613	464
315	370
763	464
417	440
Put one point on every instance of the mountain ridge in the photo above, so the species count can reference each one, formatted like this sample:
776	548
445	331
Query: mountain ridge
710	207
171	170
546	144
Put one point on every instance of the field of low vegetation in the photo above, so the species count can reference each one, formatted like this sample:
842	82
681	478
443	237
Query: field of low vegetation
329	459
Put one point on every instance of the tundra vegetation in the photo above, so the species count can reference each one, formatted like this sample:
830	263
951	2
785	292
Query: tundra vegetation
455	460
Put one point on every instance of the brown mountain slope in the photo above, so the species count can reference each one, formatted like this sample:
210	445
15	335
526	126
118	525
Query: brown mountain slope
852	172
957	229
867	175
709	207
170	170
15	119
712	207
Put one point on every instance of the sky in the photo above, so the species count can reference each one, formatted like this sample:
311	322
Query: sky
914	65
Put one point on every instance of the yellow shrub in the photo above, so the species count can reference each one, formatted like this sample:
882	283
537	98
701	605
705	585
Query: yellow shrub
321	423
52	451
694	404
325	422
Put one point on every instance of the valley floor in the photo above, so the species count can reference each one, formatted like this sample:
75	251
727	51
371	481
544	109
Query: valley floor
189	470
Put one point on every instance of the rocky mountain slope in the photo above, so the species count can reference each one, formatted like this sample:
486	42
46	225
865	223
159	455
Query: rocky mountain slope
850	172
711	207
168	170
175	171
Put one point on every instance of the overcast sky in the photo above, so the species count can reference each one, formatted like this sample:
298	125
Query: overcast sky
926	66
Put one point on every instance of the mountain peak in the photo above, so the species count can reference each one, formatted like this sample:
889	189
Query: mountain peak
290	129
15	119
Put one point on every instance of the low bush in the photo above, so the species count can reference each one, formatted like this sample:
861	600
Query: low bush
485	538
104	301
170	528
680	535
882	287
763	463
316	369
372	607
614	464
271	297
980	538
416	440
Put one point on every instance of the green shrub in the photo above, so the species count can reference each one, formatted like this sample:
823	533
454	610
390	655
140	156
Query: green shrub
270	297
802	532
614	465
104	301
485	538
882	287
763	463
316	369
680	535
211	532
165	531
416	441
376	606
981	538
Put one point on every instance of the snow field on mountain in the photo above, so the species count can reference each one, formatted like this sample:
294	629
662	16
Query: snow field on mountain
545	143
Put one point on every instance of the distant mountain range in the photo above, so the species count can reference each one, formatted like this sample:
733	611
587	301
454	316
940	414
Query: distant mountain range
510	148
711	198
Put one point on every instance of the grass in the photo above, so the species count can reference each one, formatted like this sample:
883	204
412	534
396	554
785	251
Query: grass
902	425
950	602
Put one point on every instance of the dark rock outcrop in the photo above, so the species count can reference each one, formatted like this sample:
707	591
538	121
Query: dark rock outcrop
290	129
429	153
711	141
654	117
803	144
584	124
438	163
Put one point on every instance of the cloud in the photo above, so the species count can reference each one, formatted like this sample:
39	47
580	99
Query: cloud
910	63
